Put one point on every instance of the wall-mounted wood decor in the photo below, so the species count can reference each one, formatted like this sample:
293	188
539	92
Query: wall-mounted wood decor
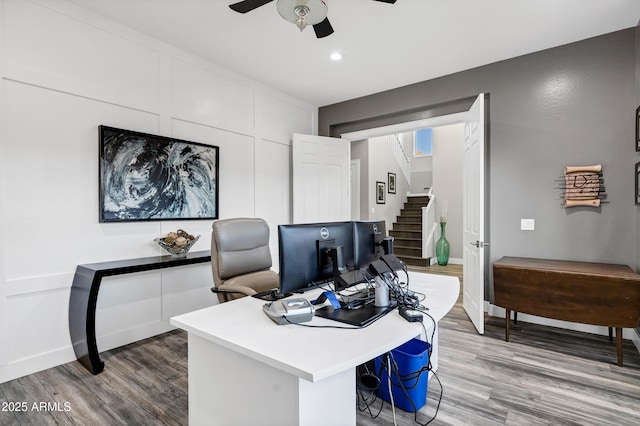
583	186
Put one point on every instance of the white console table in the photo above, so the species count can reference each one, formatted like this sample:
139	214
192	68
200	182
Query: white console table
244	369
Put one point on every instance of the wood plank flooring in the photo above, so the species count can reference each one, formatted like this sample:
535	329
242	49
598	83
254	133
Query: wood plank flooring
543	376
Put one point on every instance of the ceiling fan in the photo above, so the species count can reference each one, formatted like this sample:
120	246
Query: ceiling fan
299	12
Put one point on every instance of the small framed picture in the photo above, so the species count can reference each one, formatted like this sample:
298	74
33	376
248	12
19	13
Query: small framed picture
392	183
637	184
638	129
381	192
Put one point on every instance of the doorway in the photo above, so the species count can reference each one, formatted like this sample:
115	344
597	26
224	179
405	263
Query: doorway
355	189
473	196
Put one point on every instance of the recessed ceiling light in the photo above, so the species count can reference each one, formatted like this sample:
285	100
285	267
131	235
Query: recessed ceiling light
336	56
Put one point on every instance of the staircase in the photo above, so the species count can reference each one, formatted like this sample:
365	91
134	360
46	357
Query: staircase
407	232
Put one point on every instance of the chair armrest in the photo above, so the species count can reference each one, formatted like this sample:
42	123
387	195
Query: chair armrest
238	289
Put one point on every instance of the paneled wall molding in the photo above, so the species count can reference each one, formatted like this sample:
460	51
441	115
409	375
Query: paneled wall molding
4	315
213	125
37	77
64	72
286	142
24	286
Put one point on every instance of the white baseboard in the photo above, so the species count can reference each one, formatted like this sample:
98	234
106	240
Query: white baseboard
43	361
635	338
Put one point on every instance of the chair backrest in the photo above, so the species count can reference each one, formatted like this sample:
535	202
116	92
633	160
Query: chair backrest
239	246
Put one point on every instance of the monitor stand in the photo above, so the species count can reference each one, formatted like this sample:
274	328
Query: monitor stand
271	295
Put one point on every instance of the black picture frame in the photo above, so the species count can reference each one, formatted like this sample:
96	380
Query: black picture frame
637	184
145	177
391	181
381	192
637	143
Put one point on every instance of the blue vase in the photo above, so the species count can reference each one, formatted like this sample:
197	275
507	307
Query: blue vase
442	247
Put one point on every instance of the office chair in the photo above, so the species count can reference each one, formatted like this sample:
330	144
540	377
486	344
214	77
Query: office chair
240	258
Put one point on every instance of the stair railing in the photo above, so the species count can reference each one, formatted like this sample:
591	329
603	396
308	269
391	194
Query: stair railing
400	155
429	227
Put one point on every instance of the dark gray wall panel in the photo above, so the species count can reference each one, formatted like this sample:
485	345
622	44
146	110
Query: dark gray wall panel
571	105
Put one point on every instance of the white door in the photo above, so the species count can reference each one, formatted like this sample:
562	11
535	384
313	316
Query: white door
473	215
320	179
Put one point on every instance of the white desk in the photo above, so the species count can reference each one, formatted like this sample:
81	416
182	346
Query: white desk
244	369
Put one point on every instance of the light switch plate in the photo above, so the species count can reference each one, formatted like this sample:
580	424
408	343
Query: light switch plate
527	224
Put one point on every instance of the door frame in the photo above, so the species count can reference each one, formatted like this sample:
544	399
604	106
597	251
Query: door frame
409	126
354	167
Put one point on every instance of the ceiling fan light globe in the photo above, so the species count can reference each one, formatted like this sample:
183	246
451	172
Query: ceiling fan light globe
315	11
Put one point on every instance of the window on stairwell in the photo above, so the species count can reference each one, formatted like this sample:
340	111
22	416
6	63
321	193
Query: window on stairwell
423	142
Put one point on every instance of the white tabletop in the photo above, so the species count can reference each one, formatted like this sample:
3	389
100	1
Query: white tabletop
315	353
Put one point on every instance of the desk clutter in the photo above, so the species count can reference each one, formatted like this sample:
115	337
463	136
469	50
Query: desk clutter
383	292
291	311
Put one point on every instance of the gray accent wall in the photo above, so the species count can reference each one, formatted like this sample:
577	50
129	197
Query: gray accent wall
570	105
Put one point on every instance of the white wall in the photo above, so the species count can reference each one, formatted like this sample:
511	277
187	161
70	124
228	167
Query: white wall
64	73
381	162
421	174
448	150
360	151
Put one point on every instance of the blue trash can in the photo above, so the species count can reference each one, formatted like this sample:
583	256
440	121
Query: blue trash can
409	383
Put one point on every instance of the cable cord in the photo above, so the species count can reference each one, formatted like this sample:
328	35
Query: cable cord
393	405
400	292
371	394
330	326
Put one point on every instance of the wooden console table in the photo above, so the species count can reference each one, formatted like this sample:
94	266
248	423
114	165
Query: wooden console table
84	297
589	293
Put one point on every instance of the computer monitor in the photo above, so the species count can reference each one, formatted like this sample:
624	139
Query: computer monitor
368	240
311	254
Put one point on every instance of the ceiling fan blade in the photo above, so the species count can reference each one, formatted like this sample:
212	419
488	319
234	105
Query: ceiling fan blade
387	1
248	5
323	28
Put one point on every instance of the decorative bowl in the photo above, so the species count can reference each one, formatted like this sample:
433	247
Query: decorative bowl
176	247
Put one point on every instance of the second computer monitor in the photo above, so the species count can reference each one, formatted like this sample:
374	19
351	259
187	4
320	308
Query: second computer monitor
369	241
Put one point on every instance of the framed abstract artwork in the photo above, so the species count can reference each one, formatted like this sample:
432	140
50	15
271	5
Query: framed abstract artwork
144	177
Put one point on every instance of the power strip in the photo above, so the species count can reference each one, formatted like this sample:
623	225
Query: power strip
410	315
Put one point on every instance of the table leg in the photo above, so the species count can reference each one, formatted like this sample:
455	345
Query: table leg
82	318
611	334
507	319
619	344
